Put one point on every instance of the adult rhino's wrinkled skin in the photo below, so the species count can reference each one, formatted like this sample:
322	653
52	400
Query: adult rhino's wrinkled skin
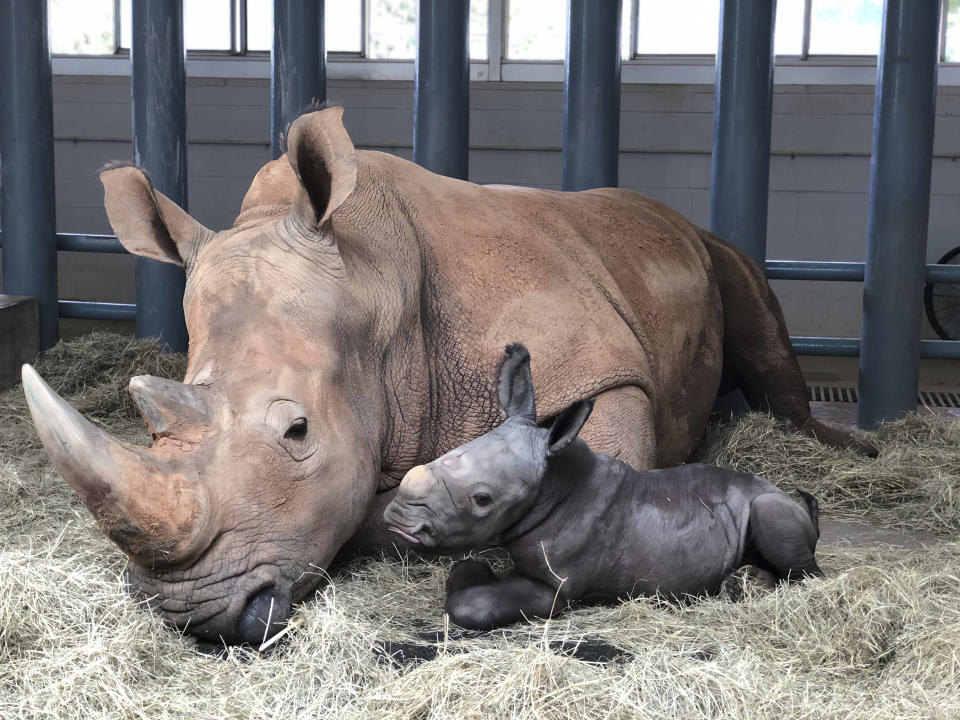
347	328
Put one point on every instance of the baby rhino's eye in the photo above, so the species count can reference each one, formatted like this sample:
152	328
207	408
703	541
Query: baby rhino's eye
481	499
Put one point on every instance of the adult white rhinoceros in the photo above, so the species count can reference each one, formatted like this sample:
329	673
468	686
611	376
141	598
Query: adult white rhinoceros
348	327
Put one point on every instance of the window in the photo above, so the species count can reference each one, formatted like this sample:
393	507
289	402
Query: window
533	30
392	29
343	29
687	28
537	29
378	29
951	49
206	24
788	30
845	27
837	27
82	28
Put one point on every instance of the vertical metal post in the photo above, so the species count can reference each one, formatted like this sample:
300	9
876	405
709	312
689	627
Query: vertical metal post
298	63
159	86
740	173
591	95
26	153
903	121
441	102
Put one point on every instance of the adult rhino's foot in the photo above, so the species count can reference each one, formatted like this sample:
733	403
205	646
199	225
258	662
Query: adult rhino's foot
839	438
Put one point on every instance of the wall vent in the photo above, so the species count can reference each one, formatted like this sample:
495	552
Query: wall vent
840	394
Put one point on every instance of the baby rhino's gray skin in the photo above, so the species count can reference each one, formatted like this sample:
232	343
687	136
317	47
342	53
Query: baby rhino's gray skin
608	530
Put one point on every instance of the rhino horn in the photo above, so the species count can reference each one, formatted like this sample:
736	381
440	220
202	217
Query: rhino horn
152	508
165	404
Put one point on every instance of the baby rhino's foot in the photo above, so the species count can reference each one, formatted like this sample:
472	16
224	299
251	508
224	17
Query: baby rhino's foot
468	573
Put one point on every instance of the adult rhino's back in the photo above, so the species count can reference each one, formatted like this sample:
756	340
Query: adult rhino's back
608	288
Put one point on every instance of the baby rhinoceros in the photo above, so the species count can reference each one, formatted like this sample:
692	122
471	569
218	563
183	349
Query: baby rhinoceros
582	526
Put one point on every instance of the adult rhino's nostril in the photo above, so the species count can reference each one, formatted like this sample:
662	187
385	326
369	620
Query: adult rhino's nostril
266	614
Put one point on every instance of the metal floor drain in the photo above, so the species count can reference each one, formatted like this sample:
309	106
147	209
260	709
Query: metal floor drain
841	394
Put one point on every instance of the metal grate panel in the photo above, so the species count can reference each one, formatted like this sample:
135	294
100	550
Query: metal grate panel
841	394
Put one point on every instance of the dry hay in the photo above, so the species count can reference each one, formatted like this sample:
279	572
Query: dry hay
880	638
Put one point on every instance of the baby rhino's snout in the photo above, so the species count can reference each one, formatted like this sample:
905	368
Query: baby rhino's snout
408	515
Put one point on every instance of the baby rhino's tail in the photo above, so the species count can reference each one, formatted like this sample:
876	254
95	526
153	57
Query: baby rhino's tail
813	509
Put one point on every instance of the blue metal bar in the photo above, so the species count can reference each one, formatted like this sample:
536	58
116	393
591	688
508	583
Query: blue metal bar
159	85
441	90
826	346
847	271
946	274
26	149
73	242
591	95
740	173
850	347
298	64
899	208
97	310
804	270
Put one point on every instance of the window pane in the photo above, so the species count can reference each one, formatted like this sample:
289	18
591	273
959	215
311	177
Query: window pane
342	30
206	24
953	31
81	28
393	29
259	25
626	52
537	30
788	33
479	14
845	27
678	28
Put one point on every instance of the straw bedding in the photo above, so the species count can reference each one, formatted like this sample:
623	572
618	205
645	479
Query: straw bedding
880	638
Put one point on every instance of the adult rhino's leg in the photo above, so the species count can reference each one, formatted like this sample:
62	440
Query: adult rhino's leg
757	355
621	425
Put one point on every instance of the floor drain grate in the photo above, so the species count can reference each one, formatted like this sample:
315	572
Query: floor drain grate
840	394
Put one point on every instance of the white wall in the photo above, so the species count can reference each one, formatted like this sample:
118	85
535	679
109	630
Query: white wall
818	177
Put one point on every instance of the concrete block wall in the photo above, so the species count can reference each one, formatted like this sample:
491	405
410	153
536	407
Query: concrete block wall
819	175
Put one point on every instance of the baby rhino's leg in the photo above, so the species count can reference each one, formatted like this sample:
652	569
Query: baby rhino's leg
784	536
477	600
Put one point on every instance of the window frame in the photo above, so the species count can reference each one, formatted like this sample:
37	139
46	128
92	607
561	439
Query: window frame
240	62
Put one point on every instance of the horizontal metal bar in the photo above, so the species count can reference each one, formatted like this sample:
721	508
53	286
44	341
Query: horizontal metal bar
940	349
845	271
74	242
814	270
943	274
826	346
850	347
82	242
97	310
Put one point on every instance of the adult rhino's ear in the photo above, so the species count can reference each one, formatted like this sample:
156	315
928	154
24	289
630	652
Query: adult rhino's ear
322	156
147	222
567	425
515	390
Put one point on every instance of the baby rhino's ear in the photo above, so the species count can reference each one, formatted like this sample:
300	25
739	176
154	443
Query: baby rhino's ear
516	384
566	426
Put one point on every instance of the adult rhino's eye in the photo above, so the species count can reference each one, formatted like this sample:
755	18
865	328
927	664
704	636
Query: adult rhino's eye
297	430
481	499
